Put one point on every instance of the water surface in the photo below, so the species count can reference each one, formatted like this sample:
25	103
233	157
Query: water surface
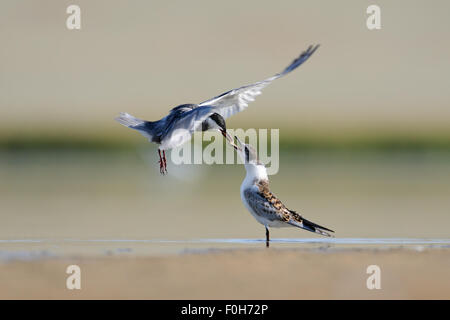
117	202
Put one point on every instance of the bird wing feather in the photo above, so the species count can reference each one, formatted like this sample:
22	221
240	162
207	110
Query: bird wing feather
236	100
266	205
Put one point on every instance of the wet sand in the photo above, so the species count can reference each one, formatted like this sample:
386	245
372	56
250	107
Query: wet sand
340	273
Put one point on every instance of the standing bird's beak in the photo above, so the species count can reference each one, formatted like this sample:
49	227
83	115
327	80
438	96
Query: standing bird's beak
229	138
240	144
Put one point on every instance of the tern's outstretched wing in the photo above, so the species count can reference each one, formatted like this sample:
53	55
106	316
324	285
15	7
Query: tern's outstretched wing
236	100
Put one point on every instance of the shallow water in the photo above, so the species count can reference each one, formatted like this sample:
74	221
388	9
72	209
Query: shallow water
75	203
32	249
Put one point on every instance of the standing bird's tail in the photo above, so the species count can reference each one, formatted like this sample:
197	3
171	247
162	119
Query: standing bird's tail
311	226
301	222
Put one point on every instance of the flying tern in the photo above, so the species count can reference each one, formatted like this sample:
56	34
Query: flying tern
178	126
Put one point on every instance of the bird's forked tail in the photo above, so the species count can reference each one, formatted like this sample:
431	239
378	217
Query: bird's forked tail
311	226
301	222
128	120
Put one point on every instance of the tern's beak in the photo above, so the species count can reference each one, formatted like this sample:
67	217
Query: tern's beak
229	138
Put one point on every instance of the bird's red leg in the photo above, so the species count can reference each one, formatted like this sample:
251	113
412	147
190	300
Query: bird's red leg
161	162
165	161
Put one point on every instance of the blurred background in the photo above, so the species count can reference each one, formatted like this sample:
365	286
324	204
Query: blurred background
364	124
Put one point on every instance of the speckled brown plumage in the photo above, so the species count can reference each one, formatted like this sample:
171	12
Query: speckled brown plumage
283	212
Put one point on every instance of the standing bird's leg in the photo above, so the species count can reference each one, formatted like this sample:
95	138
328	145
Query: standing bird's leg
165	161
267	237
161	162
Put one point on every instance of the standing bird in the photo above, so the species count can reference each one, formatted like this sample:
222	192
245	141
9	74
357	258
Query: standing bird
177	127
263	204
